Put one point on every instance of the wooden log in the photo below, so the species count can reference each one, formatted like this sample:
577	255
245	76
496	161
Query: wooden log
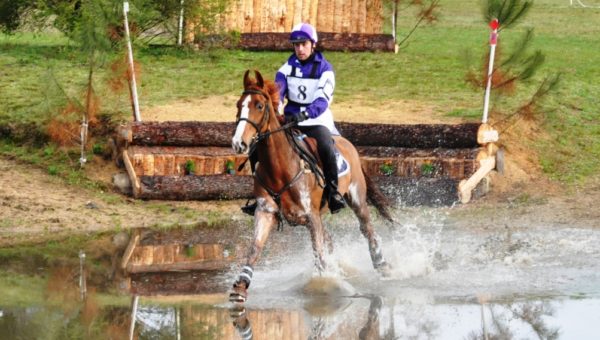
182	133
411	136
192	187
175	283
314	5
289	15
418	191
328	41
177	266
364	134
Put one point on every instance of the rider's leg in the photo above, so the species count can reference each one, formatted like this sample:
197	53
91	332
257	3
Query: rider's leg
325	147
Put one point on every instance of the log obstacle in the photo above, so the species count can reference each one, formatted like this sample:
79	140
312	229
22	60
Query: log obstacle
415	164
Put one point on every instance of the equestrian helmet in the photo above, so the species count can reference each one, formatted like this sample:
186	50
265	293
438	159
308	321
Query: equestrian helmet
303	32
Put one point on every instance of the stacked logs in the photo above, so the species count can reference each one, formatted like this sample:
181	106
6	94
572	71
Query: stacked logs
354	16
194	160
343	25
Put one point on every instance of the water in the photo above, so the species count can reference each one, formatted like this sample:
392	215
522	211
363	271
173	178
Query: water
449	282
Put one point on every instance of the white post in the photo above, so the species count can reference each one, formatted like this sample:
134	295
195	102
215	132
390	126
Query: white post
136	106
82	279
180	30
394	21
493	40
134	308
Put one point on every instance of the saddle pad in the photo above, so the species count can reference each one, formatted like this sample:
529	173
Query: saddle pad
342	164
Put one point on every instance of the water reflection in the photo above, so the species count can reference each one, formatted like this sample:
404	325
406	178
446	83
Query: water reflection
91	294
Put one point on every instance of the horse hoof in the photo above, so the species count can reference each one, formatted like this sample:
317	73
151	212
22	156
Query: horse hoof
237	312
385	270
237	297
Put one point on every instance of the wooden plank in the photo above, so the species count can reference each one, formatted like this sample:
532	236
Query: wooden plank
135	182
465	187
133	242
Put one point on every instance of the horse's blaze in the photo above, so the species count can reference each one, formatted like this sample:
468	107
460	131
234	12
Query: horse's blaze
237	142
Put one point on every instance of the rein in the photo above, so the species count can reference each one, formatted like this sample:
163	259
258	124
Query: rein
264	135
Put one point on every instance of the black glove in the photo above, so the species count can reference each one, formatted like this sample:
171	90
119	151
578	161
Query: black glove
300	117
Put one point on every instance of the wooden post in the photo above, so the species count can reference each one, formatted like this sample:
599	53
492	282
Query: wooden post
465	187
133	87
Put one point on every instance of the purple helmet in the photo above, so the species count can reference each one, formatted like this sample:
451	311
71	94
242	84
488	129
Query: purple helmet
303	32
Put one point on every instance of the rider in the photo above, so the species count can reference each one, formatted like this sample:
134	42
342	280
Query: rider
307	80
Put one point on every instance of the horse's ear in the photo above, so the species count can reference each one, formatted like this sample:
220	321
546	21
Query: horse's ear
259	79
247	80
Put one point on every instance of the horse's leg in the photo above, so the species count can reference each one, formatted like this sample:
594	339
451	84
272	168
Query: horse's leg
317	237
328	240
264	221
358	203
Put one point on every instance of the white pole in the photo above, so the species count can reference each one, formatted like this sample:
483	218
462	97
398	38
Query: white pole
493	39
180	31
136	106
394	21
134	308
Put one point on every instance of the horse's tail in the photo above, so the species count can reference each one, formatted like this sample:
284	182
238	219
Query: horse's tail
377	198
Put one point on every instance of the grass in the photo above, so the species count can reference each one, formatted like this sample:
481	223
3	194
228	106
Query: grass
430	69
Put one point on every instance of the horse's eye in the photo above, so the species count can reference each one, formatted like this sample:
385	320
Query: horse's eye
259	106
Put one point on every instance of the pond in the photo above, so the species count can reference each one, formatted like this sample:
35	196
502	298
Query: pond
449	281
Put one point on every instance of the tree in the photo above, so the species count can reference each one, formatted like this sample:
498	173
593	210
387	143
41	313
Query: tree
425	13
520	65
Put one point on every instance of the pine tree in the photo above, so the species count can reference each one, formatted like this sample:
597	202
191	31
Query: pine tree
520	65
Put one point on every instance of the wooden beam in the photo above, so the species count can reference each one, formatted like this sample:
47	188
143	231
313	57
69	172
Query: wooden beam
465	187
133	242
135	182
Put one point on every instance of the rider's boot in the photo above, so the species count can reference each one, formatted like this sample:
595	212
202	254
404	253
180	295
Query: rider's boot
334	198
249	208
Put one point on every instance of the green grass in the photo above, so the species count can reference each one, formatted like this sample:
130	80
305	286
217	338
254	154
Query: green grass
430	69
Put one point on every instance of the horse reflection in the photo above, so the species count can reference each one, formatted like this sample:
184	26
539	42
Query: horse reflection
368	331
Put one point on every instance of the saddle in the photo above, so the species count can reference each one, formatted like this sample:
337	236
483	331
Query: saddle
307	148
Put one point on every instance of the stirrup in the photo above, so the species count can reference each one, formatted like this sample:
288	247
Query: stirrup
336	203
249	208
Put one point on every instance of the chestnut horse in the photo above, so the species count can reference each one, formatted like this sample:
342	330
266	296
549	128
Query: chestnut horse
283	188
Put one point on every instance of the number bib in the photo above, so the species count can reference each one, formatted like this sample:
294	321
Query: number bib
302	90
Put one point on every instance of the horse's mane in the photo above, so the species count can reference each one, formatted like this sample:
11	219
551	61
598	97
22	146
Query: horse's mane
271	88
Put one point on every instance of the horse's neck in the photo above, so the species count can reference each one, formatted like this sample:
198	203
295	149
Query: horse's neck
277	152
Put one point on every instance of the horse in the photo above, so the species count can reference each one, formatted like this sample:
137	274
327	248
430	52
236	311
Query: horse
282	187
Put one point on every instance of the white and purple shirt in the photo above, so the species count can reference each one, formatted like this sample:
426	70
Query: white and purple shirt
308	88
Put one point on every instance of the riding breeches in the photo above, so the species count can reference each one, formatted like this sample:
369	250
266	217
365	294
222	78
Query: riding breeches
325	148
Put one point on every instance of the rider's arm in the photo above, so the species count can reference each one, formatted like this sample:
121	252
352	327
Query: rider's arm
324	94
282	84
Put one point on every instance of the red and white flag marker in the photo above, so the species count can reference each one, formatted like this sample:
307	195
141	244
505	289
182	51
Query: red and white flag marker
493	40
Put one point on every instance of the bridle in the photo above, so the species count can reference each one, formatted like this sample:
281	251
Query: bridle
261	135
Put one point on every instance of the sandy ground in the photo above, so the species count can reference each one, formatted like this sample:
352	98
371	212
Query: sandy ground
35	205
